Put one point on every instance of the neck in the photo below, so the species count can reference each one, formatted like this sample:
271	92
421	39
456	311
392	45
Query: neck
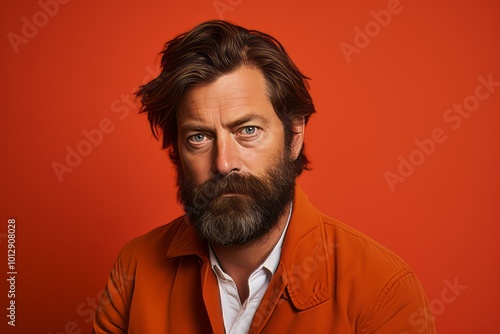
240	261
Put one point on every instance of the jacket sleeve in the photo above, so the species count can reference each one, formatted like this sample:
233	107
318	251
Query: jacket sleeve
112	313
401	308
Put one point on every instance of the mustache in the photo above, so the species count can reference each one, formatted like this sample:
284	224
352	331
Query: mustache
233	183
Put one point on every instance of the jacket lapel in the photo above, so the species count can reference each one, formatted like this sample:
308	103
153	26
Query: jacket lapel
302	276
196	289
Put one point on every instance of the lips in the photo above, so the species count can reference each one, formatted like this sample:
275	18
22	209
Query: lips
230	194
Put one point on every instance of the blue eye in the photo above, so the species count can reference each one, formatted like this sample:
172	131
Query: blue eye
197	138
249	130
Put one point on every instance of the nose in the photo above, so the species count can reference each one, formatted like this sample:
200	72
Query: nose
227	158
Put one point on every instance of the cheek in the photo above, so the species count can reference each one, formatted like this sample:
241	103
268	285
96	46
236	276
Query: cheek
259	161
196	168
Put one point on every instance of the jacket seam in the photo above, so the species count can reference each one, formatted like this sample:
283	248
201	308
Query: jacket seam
394	281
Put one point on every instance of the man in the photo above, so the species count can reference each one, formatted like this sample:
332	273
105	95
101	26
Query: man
251	255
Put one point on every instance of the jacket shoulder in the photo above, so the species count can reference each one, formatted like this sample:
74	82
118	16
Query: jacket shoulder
360	248
381	288
156	241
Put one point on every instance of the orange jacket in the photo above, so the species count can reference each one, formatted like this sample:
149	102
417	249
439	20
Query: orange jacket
331	279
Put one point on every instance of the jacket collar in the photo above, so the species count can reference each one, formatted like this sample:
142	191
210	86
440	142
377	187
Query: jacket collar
305	256
186	241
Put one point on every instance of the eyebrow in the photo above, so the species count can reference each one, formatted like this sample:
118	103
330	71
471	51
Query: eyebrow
245	119
248	118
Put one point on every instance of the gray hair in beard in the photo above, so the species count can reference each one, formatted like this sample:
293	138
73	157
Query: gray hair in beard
251	210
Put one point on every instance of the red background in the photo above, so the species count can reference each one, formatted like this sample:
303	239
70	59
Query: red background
80	64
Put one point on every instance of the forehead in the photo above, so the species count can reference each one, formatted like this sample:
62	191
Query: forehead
229	97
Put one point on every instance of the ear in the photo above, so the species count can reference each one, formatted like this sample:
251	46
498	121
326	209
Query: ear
298	128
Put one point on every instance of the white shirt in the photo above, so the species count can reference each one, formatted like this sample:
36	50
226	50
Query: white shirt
238	317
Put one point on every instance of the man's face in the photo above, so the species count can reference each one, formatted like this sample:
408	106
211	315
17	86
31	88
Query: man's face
235	175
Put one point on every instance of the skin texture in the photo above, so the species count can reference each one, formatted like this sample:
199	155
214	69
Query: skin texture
228	126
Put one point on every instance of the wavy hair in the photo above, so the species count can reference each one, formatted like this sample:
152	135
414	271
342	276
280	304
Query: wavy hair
209	51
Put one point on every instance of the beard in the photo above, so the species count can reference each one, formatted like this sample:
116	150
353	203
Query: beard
237	208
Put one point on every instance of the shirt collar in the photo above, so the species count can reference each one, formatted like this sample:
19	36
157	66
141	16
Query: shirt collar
305	240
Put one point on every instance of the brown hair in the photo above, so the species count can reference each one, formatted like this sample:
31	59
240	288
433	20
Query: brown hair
207	52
